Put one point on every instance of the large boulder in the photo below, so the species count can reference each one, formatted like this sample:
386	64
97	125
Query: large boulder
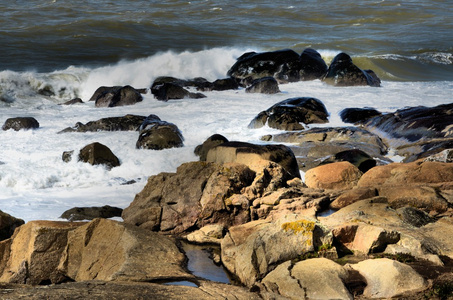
8	224
252	250
265	85
316	278
165	89
358	115
251	154
339	175
113	251
125	123
289	113
283	65
343	72
99	154
33	253
156	134
212	141
388	278
312	65
117	96
20	123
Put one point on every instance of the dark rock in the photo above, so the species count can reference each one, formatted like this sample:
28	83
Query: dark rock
125	123
357	157
98	154
90	213
265	85
225	84
343	72
414	217
289	113
203	149
115	96
156	134
283	65
358	115
8	224
172	91
312	65
20	123
73	101
102	90
67	156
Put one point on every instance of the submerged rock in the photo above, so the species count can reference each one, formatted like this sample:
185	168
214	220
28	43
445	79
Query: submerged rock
290	113
343	72
20	123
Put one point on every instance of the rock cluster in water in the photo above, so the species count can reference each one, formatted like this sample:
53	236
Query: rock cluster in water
387	236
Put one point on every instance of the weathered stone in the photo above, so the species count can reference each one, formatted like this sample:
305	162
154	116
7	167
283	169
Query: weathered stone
125	123
90	213
353	195
203	149
251	154
343	72
98	154
34	252
340	175
414	217
113	251
20	123
252	250
209	234
265	85
289	113
388	278
118	96
317	278
8	224
155	134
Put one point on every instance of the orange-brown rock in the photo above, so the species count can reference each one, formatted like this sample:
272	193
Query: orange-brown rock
339	175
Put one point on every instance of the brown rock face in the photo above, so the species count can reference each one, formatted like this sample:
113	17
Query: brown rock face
339	175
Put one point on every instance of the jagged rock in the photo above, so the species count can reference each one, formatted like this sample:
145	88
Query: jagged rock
108	250
203	149
90	213
343	72
8	224
358	115
388	278
250	154
125	123
20	123
289	113
312	65
316	278
265	85
339	175
445	156
283	65
98	154
117	96
252	250
156	134
33	253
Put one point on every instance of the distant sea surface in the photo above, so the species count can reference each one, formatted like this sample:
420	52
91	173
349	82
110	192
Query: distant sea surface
400	40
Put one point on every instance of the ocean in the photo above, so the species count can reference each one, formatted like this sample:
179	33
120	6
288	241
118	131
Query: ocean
57	50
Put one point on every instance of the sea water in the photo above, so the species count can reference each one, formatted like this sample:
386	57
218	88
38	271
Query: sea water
56	50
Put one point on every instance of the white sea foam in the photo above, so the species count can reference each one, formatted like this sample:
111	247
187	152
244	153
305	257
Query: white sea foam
36	184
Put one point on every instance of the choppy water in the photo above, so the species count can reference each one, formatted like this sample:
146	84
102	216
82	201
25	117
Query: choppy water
55	50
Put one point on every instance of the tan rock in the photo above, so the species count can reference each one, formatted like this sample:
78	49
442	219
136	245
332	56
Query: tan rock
387	278
353	195
109	250
34	252
211	234
339	175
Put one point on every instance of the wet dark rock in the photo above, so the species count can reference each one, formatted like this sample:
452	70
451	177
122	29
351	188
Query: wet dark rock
203	149
283	65
357	157
312	65
343	72
20	123
102	90
171	91
125	123
265	85
115	96
67	155
225	84
358	115
73	101
155	134
90	213
8	224
289	113
98	154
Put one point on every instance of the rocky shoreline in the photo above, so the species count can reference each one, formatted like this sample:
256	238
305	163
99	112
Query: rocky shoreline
388	233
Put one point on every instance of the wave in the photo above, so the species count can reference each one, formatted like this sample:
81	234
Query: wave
212	64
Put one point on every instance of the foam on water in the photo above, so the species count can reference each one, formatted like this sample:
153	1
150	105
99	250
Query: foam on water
36	184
